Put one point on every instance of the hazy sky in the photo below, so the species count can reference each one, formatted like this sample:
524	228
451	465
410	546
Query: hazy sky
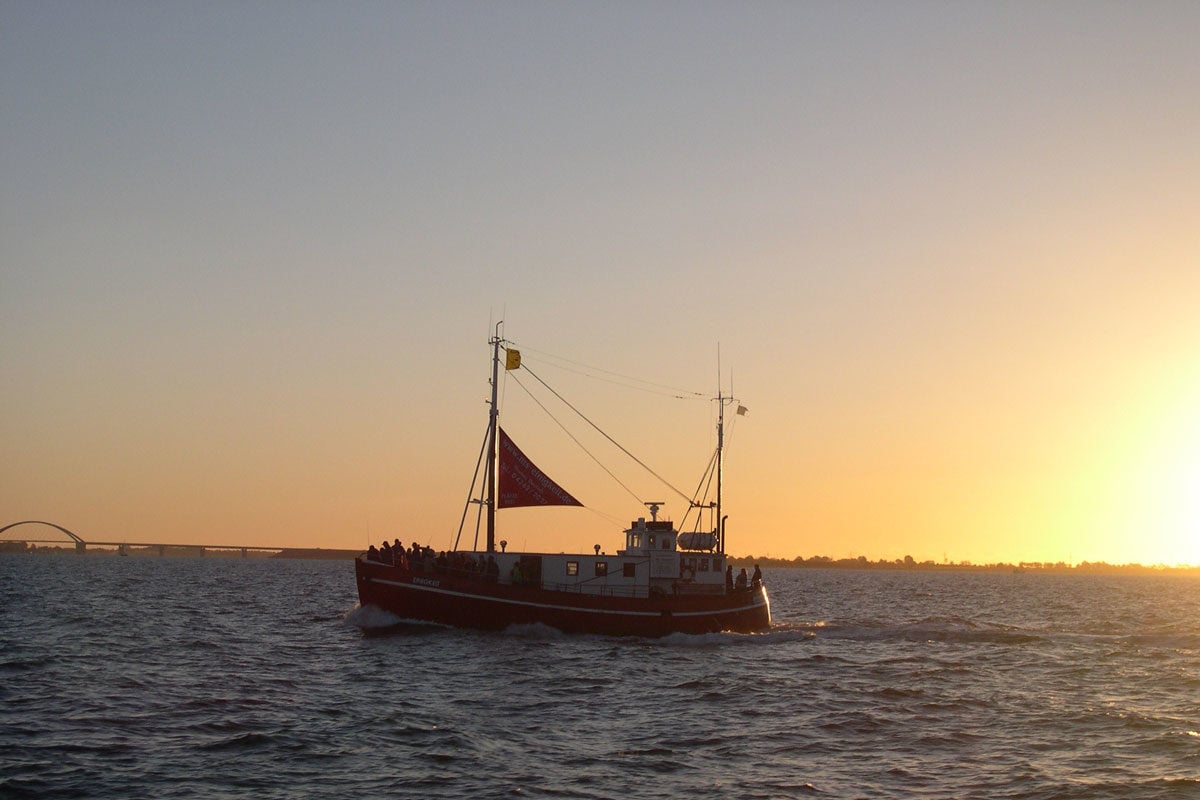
251	253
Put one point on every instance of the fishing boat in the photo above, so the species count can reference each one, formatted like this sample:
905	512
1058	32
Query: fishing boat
662	580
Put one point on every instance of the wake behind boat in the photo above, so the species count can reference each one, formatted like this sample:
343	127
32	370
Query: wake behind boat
662	581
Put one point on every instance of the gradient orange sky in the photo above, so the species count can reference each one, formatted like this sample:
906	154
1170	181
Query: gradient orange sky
950	253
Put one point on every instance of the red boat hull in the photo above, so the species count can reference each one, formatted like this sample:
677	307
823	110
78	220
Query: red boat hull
470	602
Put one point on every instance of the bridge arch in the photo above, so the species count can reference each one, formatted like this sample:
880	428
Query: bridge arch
78	541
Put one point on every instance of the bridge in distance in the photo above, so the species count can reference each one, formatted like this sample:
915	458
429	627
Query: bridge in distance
82	545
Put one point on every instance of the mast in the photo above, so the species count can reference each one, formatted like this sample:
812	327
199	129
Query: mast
720	467
493	442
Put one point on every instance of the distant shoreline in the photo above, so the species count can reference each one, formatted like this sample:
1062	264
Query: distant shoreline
909	565
816	562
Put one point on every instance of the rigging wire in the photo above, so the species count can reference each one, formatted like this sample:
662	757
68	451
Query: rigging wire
583	369
572	436
471	495
702	489
609	518
613	441
705	484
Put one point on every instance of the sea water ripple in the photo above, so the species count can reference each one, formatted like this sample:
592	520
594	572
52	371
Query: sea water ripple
180	678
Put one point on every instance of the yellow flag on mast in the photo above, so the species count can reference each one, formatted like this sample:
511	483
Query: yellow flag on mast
512	359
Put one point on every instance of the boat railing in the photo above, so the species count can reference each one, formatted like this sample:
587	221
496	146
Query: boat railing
583	588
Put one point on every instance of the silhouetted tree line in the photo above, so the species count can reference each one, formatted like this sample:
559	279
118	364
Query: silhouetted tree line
909	563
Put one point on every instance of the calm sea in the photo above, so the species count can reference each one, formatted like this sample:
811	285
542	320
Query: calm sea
159	677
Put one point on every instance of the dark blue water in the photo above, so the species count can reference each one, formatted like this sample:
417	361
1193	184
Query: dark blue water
146	677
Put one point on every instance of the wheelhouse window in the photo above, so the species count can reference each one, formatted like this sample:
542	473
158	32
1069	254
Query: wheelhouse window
704	565
601	569
572	569
629	569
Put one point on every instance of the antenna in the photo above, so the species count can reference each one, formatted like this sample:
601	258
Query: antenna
718	368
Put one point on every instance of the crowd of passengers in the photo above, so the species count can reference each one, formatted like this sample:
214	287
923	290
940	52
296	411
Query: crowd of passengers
425	559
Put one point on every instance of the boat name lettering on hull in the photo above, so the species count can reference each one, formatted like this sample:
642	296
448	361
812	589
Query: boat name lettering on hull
426	582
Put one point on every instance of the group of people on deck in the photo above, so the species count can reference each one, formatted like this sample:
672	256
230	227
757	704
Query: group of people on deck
425	559
396	555
742	582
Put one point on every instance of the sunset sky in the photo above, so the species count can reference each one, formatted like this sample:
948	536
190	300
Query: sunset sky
949	254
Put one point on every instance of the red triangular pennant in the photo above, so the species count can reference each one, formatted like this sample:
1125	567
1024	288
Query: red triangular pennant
523	484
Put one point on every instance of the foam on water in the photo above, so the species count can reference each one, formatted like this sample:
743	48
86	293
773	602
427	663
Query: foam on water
370	617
